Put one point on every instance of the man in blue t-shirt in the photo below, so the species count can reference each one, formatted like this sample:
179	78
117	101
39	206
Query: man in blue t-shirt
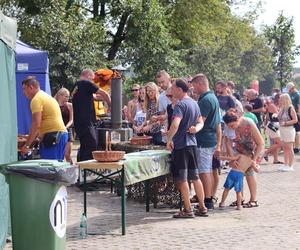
209	138
186	121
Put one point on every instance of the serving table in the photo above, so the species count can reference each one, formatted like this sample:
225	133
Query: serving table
136	167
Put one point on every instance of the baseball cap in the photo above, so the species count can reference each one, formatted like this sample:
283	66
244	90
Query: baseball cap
290	85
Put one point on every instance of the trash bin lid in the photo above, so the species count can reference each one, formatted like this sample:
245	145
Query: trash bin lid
50	171
40	163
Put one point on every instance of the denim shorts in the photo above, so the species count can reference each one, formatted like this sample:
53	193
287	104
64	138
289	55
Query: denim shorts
204	159
234	179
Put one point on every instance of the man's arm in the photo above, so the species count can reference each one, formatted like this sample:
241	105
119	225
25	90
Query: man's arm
104	96
228	158
195	129
129	114
34	130
228	145
258	140
255	166
172	131
219	139
71	115
259	110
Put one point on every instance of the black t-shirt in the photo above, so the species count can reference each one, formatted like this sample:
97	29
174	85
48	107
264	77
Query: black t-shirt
237	96
170	114
83	103
257	103
226	102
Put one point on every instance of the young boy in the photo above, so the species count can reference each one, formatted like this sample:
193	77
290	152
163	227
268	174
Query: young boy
139	119
248	113
244	158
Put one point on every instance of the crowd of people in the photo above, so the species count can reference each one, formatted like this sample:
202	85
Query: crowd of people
232	128
203	129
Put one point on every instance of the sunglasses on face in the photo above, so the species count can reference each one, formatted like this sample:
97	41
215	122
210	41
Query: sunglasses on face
170	96
133	90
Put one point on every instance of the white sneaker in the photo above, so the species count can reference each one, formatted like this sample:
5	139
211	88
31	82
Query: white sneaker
287	169
281	167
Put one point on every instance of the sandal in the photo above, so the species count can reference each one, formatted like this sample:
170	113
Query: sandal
221	205
234	204
194	199
184	214
277	162
251	204
215	200
202	212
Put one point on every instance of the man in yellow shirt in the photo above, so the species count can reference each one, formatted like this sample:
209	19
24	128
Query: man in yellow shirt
47	122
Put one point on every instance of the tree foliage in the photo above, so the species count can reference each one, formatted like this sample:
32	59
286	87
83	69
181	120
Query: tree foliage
281	38
183	37
73	41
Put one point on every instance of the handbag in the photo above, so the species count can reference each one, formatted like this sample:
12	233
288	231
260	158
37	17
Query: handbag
297	124
51	139
272	127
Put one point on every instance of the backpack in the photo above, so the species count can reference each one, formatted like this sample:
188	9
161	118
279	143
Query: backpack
297	124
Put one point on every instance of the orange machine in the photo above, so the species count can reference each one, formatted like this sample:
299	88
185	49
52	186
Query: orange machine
102	79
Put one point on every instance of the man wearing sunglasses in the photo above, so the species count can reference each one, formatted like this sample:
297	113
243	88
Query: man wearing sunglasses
133	103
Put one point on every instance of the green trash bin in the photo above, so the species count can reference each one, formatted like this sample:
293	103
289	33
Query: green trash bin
38	200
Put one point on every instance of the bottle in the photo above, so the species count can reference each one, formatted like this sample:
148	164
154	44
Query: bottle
115	137
83	227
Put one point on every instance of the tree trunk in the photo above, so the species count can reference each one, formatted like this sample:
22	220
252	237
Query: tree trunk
118	38
102	9
95	8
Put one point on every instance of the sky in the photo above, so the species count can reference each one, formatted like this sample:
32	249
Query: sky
271	10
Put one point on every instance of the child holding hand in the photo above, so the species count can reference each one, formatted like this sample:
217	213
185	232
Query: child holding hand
243	161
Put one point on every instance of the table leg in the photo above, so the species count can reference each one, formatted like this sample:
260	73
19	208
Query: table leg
123	198
147	195
84	192
111	186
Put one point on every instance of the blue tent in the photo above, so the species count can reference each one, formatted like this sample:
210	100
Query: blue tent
30	62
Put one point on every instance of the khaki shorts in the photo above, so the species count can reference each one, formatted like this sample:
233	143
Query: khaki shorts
287	134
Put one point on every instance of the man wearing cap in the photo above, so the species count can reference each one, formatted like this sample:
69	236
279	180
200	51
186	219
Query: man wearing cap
295	97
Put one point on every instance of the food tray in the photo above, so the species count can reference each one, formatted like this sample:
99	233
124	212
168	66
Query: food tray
141	140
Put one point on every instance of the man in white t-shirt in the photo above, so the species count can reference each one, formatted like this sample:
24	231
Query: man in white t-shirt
163	80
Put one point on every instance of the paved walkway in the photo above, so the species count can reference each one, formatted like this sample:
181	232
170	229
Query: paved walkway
275	224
